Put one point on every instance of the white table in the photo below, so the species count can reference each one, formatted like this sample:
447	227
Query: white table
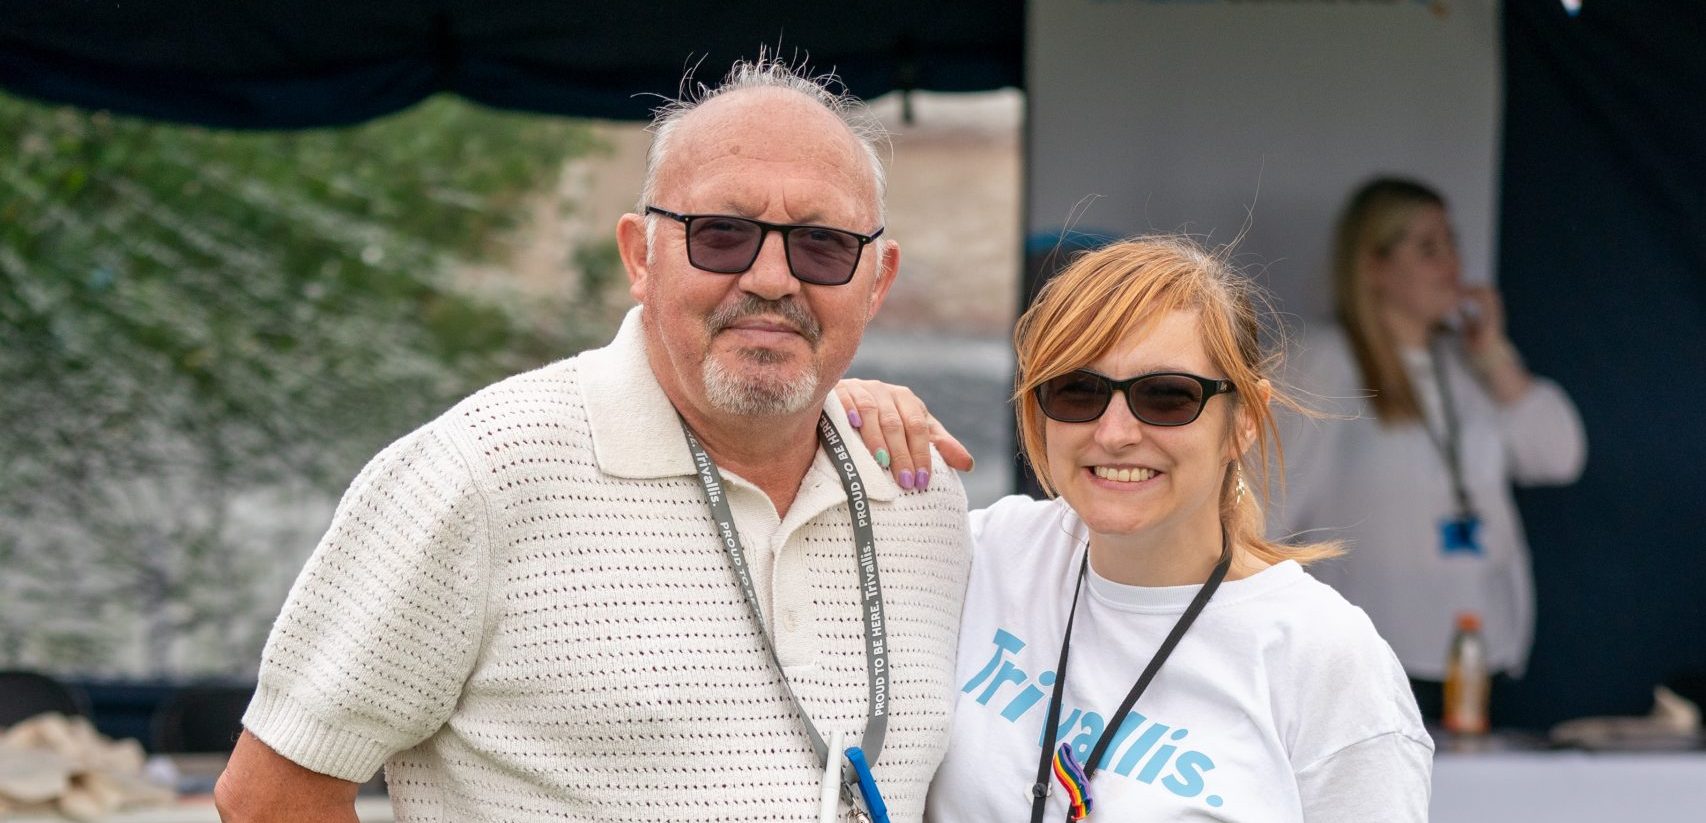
1481	787
1568	786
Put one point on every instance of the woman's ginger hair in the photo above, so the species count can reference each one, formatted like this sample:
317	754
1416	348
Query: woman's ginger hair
1088	308
1372	224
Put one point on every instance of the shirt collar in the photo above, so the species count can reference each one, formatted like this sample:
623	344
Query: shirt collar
636	433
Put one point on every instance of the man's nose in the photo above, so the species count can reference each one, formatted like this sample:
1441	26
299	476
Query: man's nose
769	277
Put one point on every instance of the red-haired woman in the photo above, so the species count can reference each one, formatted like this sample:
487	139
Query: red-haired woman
1134	644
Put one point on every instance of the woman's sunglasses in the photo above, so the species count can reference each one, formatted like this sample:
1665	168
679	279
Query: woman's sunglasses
1157	398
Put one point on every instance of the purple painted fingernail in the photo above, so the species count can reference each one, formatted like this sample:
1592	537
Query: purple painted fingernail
906	478
854	419
923	478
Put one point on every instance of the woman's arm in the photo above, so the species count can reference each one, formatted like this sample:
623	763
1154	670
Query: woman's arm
1543	436
1542	432
1387	777
1495	360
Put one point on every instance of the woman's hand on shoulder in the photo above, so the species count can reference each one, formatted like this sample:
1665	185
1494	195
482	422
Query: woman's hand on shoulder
898	430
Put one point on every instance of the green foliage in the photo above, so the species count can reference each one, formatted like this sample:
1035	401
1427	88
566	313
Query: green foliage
193	320
600	267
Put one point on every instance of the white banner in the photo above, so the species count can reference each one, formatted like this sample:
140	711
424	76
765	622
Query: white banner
1207	116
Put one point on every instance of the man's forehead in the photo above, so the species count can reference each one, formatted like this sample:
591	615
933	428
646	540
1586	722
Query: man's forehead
775	109
764	125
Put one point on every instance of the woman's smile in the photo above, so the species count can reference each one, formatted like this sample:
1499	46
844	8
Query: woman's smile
1117	476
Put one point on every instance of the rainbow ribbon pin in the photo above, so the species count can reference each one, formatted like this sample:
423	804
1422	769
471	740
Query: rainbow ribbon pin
1071	776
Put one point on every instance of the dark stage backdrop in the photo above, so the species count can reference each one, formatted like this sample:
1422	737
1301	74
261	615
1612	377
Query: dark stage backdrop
311	63
1603	265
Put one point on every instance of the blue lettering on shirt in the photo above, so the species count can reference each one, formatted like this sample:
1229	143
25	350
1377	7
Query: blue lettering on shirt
1142	749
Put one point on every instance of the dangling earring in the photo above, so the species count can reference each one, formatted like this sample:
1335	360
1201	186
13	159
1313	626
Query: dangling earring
1239	489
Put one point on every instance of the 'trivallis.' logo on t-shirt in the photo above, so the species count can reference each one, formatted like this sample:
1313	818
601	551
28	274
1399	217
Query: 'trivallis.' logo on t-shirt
1126	752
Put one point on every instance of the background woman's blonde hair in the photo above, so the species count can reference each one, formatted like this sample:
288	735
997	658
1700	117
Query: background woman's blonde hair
1372	224
1088	308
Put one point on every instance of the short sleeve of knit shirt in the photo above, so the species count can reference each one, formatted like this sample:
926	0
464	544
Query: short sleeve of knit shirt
390	602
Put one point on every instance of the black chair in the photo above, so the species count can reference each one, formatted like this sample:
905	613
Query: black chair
25	694
198	719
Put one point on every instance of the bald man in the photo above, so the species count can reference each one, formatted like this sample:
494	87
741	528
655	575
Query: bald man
652	581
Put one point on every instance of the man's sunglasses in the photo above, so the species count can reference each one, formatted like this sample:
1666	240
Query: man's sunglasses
723	244
1158	398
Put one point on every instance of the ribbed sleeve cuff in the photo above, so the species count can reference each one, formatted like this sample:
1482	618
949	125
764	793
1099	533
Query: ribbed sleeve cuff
307	740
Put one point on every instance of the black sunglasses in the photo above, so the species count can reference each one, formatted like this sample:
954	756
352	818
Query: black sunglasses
724	244
1157	398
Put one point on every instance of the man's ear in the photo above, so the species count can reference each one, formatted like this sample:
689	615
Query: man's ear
888	268
632	248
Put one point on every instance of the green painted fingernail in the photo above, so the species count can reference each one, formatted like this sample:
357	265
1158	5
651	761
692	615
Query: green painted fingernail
882	456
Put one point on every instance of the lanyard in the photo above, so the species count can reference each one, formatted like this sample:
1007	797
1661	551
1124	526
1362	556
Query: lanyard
1450	446
870	589
1040	789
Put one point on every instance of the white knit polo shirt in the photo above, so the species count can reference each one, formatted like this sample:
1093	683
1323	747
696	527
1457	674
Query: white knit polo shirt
522	611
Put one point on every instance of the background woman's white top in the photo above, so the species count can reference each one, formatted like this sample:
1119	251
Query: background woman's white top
1384	490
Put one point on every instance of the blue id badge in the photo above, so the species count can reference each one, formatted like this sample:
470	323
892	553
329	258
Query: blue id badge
1460	535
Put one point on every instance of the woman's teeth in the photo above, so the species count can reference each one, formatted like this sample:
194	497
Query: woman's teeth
1124	475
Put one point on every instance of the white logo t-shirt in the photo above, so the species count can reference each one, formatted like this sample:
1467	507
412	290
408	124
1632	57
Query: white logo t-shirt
1281	703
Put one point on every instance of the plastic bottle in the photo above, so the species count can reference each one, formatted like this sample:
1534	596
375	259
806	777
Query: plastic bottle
1467	681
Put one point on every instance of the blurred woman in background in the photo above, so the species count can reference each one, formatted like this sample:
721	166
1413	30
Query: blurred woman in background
1444	418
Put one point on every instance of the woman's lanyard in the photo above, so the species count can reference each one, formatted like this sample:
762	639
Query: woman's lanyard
1450	444
855	771
1078	780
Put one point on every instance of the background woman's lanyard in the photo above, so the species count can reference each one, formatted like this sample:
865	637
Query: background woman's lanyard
1450	446
1040	789
870	588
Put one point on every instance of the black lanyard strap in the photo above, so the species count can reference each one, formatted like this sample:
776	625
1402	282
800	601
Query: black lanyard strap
1040	789
870	587
1450	445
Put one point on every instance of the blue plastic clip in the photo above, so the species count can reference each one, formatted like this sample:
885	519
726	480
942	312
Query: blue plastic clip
868	786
